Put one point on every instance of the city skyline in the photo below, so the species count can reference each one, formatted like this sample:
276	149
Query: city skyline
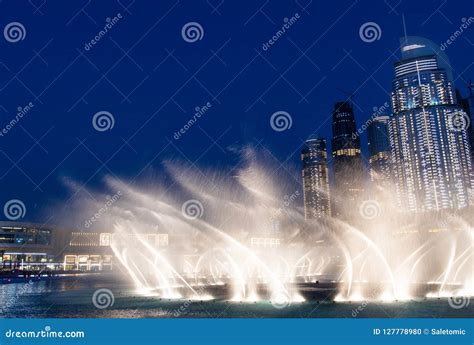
154	93
278	163
419	155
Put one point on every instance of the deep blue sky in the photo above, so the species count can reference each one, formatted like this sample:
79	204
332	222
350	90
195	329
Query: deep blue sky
150	79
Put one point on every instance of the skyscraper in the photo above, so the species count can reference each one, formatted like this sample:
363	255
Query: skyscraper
347	161
467	104
428	140
315	179
379	151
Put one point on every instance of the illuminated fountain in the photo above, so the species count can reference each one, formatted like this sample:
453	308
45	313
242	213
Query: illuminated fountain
243	238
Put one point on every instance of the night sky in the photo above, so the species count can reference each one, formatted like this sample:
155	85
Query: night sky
151	80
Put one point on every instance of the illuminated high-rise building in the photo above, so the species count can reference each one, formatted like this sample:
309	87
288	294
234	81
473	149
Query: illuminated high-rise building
467	104
347	162
315	179
379	151
428	138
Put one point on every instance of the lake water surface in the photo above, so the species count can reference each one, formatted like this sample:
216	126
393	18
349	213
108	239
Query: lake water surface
72	297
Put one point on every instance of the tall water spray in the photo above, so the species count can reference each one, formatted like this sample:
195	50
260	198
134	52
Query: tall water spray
242	236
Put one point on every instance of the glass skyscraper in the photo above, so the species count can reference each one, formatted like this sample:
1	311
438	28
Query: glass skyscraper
379	151
347	161
315	179
468	106
429	142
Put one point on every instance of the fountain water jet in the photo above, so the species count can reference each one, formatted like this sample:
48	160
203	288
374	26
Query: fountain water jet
247	244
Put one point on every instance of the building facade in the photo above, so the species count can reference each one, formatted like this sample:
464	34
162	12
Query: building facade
467	104
315	179
348	175
32	246
429	144
379	152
